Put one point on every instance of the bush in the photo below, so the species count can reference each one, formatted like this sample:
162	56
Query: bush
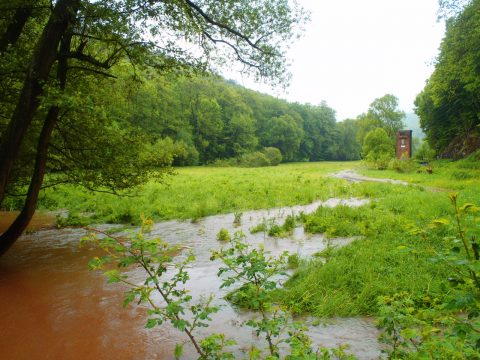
223	235
402	165
425	153
255	159
225	162
273	155
378	149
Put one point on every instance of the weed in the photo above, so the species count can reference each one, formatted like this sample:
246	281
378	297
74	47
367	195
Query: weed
223	235
237	218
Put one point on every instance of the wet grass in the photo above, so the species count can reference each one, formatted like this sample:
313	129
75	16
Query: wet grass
446	174
197	192
391	257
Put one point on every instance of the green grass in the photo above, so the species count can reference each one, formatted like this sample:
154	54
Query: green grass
196	192
353	277
447	174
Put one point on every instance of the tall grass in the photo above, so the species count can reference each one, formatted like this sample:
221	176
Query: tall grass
353	277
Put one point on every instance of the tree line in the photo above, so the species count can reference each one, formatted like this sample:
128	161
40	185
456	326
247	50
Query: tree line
207	119
449	105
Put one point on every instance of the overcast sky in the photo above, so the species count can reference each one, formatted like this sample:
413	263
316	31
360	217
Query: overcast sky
355	51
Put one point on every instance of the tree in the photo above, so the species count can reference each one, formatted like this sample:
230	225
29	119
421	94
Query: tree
318	127
82	40
385	111
349	148
449	105
285	134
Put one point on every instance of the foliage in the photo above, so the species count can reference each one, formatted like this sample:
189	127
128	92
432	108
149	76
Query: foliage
256	159
402	165
273	155
223	235
425	153
448	106
384	110
445	326
378	149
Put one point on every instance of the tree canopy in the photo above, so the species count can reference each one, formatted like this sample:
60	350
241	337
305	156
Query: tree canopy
57	59
448	106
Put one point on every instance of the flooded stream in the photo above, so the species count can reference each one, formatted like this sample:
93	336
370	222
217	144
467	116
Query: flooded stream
52	307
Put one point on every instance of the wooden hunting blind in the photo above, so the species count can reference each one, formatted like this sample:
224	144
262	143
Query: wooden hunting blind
404	144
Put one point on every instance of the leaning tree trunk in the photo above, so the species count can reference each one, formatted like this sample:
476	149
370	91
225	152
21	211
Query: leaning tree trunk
14	29
19	225
8	238
44	56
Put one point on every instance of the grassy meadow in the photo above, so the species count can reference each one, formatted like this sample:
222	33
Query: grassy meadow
390	257
195	192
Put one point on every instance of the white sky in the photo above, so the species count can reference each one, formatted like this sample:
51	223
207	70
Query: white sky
355	51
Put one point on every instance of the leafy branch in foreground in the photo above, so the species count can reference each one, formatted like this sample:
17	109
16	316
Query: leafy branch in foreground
256	273
163	277
448	327
251	270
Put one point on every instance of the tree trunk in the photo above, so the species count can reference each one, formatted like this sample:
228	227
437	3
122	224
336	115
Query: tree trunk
44	56
15	27
8	238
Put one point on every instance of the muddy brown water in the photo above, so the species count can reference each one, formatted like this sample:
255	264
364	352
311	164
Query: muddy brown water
38	222
52	307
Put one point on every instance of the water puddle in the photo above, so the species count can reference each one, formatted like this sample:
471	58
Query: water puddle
352	176
52	307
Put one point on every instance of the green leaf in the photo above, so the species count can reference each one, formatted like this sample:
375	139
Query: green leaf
440	222
178	352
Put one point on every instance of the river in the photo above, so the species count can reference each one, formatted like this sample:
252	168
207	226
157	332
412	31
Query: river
53	307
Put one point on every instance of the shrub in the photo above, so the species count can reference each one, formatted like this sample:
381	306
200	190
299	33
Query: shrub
223	235
402	165
273	155
225	162
255	159
378	149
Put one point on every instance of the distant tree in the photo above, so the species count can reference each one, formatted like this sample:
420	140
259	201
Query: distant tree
319	142
348	146
285	134
385	111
